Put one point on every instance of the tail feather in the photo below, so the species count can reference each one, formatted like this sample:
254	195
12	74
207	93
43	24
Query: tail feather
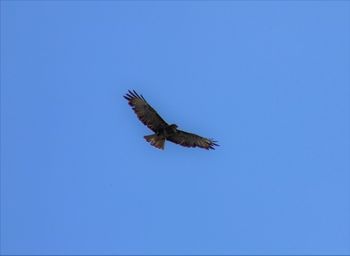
155	140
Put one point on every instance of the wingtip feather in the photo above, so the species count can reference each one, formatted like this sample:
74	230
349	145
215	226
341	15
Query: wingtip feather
133	94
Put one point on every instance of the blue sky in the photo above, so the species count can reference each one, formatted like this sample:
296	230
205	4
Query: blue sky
269	80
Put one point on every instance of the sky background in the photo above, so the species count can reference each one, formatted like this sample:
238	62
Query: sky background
269	80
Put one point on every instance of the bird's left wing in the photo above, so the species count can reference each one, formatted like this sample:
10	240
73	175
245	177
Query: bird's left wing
147	115
187	139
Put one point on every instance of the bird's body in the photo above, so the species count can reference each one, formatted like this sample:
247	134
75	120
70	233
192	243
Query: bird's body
162	130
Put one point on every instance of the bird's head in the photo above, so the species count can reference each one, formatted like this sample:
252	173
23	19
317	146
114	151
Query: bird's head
173	127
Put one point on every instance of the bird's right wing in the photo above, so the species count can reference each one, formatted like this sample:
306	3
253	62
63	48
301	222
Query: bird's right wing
147	115
187	139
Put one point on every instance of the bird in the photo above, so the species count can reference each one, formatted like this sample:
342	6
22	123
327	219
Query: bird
162	130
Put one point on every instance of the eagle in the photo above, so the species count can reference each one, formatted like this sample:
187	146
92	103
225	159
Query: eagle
162	130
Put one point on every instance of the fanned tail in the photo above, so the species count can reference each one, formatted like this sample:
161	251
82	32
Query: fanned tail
155	140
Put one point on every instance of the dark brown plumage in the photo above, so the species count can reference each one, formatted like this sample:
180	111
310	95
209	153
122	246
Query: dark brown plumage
163	131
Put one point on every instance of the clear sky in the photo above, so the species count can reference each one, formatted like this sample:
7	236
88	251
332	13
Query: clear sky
269	80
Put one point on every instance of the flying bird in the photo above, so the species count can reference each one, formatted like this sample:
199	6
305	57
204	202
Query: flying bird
162	130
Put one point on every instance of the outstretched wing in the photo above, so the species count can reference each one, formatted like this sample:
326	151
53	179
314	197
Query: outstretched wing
192	140
147	115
